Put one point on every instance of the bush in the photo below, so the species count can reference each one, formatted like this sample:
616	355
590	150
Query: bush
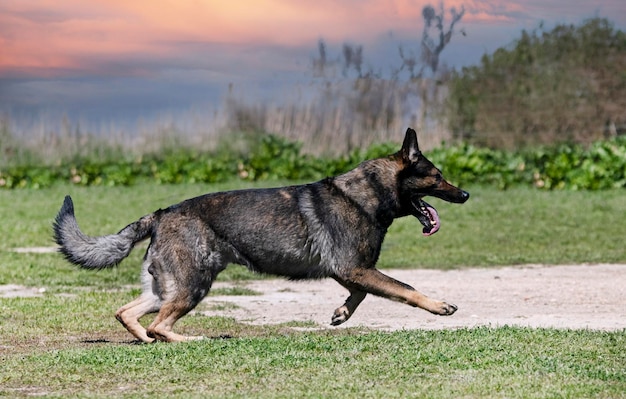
600	166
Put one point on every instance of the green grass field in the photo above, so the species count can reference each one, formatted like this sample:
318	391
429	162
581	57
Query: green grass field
66	342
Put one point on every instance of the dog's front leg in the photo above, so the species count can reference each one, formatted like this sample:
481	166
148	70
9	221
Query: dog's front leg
374	282
343	313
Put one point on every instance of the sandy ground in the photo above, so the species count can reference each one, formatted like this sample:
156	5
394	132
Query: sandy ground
573	297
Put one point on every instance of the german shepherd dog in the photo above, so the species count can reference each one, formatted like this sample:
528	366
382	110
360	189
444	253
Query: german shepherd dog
332	228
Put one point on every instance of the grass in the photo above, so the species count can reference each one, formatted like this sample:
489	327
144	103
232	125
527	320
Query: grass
494	228
513	227
65	343
46	351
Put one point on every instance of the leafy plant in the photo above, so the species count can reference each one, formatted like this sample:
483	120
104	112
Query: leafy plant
567	166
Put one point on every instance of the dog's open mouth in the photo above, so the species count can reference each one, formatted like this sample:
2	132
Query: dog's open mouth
427	215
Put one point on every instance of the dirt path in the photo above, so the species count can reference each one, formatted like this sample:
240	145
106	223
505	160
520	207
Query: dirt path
573	297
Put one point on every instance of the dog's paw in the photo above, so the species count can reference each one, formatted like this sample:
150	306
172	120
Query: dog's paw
445	309
340	316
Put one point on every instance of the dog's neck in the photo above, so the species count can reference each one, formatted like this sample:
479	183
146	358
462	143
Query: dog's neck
363	186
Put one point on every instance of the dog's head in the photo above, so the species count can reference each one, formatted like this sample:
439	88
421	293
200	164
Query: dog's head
419	178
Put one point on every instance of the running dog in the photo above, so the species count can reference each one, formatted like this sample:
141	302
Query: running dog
331	228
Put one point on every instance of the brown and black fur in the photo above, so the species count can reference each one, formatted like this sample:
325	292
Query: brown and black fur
331	228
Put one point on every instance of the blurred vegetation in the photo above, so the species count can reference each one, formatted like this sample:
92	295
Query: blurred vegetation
350	104
563	85
547	111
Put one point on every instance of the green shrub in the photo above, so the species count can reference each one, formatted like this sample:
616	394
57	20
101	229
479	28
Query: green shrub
600	166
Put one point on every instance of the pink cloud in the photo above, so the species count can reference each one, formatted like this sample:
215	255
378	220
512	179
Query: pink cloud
74	35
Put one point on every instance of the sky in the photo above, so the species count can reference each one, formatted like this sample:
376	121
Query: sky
110	61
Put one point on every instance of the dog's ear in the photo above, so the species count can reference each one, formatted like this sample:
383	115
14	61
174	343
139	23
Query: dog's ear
410	149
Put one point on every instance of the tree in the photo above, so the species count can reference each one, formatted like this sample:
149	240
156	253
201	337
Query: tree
431	49
567	84
434	40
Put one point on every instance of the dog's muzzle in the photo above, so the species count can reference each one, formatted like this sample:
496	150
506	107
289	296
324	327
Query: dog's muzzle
427	215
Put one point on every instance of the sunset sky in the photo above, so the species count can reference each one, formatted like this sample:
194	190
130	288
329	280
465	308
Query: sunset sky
107	60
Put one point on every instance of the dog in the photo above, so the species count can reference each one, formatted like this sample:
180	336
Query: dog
331	228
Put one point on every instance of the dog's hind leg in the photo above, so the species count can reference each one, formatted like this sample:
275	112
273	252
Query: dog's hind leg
187	257
183	284
130	314
374	282
171	311
343	313
147	302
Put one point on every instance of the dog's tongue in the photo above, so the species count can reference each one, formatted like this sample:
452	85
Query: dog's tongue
434	221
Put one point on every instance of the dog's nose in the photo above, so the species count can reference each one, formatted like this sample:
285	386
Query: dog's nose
465	196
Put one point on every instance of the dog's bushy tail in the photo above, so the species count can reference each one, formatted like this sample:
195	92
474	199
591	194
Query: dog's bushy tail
97	252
